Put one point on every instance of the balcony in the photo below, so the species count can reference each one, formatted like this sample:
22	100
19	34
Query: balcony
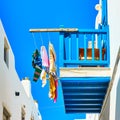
85	47
84	59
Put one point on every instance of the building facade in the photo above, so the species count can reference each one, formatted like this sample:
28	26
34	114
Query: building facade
111	108
16	101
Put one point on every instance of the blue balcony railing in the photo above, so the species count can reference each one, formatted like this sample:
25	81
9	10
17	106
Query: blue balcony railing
79	49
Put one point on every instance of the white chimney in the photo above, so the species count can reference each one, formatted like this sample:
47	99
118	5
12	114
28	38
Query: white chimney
27	86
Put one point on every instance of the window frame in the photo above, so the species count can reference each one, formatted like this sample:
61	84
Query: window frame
6	52
23	113
6	114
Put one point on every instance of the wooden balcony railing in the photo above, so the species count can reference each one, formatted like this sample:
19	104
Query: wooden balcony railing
89	47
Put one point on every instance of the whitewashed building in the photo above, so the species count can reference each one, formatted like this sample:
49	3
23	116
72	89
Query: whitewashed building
111	108
16	101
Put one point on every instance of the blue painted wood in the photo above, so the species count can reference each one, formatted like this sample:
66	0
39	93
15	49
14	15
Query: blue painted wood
83	100
92	110
84	97
85	94
93	38
83	87
100	47
83	33
86	62
82	108
61	49
104	13
69	51
73	111
74	94
108	45
82	111
91	31
80	91
79	101
84	104
85	47
77	47
86	79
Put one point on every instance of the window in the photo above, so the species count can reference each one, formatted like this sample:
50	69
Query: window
22	114
6	52
6	114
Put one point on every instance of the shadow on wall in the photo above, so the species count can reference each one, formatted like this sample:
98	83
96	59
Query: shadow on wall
117	115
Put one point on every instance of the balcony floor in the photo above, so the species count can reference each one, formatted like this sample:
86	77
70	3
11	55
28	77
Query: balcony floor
84	94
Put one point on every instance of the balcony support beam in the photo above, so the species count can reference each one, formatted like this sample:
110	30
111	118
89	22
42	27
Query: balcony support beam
54	30
85	72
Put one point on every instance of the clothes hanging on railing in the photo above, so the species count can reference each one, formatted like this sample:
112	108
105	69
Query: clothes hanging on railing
37	64
56	85
53	86
52	58
52	71
44	56
43	77
45	66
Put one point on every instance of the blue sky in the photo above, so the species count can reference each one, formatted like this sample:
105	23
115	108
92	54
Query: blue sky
18	16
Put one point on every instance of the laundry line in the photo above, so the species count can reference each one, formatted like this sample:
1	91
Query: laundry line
54	30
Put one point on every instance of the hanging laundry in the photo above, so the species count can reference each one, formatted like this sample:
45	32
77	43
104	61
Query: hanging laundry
43	77
52	58
44	56
52	87
56	85
36	59
52	73
37	73
37	64
45	64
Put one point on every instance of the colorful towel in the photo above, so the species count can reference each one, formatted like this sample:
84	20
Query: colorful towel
52	58
44	56
37	64
37	73
36	59
43	77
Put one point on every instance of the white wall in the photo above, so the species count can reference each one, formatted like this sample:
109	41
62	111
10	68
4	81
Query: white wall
114	22
9	84
106	110
115	97
112	107
117	109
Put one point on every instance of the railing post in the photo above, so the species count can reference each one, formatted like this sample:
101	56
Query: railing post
93	46
69	51
108	46
104	13
85	47
61	49
77	47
